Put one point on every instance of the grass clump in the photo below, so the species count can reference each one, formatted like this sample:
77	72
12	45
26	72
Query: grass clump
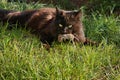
22	55
103	27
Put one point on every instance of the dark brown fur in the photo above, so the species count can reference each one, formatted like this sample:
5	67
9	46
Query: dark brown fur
73	18
46	22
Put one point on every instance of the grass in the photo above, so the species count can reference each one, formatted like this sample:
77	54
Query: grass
22	56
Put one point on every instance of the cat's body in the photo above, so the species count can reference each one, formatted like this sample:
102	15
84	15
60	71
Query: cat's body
41	22
47	23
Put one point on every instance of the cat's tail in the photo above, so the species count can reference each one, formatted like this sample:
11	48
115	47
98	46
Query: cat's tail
4	13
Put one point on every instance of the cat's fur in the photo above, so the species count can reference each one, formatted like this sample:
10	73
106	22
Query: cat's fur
71	24
48	23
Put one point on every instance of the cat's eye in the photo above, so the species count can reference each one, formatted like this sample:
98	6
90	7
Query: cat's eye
70	26
60	25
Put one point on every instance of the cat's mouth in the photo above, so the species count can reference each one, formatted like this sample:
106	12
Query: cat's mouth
67	38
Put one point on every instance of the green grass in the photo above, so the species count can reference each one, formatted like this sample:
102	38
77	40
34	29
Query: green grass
22	56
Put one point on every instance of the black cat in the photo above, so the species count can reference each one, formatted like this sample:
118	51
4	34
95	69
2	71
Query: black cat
47	23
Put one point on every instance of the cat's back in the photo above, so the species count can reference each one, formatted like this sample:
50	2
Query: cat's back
47	10
41	17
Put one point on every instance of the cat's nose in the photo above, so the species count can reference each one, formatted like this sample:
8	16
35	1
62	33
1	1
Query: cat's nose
65	30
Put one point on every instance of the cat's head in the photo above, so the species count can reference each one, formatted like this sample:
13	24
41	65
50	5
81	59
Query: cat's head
66	20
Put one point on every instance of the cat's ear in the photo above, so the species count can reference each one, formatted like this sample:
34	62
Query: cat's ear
78	14
59	12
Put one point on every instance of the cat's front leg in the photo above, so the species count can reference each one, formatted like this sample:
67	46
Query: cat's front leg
82	39
46	46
